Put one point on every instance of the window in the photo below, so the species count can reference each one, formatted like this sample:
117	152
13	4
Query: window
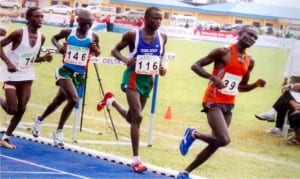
269	24
238	21
256	24
166	15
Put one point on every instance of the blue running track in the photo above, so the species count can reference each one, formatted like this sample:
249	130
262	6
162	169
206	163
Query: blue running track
32	159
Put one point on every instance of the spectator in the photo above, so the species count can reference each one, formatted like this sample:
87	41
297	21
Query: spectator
280	107
292	95
72	18
107	21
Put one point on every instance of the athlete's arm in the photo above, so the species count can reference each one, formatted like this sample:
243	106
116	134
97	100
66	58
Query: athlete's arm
162	69
47	57
63	34
219	58
15	38
244	86
128	39
95	48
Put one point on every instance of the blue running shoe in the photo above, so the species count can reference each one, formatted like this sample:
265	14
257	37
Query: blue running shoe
187	141
183	175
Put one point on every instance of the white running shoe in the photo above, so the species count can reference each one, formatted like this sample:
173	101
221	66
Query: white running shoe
58	137
266	116
275	131
36	131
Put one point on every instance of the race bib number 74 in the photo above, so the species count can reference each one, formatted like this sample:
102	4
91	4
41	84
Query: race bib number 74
147	64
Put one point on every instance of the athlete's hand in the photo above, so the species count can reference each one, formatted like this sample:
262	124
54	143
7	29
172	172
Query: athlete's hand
131	62
94	49
47	57
11	68
162	70
61	50
260	83
218	82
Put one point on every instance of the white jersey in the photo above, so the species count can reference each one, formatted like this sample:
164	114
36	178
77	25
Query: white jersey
23	58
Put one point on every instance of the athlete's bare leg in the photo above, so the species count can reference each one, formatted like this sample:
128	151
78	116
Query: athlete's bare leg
18	99
67	91
219	137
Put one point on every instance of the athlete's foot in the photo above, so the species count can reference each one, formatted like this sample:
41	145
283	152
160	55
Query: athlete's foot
6	143
106	100
186	141
138	167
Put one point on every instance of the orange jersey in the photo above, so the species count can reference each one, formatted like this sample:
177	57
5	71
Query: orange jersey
231	75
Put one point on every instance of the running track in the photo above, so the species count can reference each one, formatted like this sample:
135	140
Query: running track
40	159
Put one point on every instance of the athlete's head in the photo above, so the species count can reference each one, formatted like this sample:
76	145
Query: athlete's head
34	17
247	36
85	21
152	18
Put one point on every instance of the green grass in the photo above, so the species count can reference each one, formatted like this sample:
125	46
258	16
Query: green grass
252	152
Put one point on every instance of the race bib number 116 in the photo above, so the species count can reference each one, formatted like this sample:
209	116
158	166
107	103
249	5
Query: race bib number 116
147	64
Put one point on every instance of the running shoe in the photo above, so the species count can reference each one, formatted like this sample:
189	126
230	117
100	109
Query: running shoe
103	101
36	131
275	131
58	138
6	143
265	117
138	167
183	175
186	141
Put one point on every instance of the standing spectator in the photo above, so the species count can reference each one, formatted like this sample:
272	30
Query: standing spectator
107	21
18	73
231	72
149	43
72	18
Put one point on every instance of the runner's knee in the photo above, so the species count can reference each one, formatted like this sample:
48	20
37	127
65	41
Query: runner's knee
73	100
223	141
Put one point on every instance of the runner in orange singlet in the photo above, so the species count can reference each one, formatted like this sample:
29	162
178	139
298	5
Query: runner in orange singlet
231	73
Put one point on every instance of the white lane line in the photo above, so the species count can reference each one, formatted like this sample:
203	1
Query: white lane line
42	166
227	150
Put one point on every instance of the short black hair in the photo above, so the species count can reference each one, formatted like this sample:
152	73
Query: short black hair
245	27
30	11
149	10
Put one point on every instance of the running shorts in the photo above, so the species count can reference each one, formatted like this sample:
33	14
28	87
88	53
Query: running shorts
141	83
66	73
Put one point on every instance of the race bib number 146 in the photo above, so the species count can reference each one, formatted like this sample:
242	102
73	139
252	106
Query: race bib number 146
147	64
77	55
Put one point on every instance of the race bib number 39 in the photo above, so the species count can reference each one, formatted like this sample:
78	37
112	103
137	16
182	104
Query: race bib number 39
77	55
147	64
232	83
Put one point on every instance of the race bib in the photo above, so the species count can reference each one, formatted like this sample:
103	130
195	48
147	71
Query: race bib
26	60
77	55
232	83
147	64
